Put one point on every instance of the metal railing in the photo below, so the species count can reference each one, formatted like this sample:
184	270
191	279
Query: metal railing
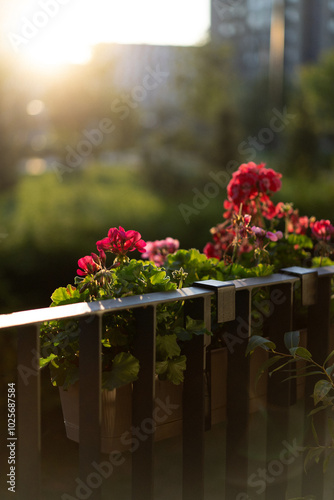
234	306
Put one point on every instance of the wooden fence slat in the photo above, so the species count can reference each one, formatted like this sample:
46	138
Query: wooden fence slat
29	414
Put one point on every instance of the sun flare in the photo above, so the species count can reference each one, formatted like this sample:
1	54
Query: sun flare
58	32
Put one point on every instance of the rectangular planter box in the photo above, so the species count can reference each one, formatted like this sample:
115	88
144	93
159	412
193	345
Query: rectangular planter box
117	404
117	408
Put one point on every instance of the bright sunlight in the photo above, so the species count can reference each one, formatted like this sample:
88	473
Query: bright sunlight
57	32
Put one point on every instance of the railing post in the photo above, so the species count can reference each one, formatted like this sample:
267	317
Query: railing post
194	406
143	404
29	414
318	343
280	395
236	336
90	400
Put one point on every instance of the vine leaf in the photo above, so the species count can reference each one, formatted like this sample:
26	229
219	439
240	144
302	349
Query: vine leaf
321	389
258	341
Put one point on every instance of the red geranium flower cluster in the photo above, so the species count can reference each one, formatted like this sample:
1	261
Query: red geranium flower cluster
91	264
322	230
222	238
227	237
251	186
294	222
249	193
120	242
158	250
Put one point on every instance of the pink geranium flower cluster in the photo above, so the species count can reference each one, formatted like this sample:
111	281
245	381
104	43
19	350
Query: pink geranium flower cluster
260	234
158	250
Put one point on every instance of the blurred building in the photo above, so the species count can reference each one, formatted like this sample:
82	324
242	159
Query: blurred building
252	28
266	36
245	25
156	68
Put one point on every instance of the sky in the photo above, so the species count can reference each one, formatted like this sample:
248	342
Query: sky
63	31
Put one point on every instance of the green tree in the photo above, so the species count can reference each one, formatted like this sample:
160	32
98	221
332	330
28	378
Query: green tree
316	82
311	141
212	104
12	124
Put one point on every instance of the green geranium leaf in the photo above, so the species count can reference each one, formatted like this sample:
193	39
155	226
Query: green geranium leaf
161	368
44	361
158	277
263	270
196	326
117	337
124	370
63	375
68	295
301	240
176	368
105	343
183	334
321	389
322	261
257	341
131	271
193	327
167	347
195	264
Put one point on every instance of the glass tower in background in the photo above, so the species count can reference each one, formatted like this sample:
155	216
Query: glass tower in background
247	25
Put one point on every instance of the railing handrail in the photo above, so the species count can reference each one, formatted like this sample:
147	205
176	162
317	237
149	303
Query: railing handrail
81	309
